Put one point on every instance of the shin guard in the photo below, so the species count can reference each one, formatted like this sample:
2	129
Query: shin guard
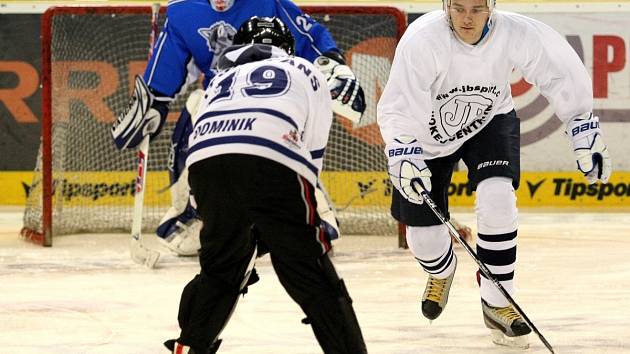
333	318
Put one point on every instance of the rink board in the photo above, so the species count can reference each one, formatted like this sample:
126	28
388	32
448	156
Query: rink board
363	189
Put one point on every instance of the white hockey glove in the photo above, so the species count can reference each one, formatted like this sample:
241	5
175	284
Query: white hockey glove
406	167
142	117
345	91
590	151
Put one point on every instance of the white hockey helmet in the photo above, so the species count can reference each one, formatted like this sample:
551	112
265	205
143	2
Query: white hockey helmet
221	5
447	3
489	3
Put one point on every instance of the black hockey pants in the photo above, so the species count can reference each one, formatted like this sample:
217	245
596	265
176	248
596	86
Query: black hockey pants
239	196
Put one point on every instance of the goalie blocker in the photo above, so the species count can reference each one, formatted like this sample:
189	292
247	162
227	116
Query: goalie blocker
145	115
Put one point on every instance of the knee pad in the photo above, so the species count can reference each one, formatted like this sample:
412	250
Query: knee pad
496	206
428	242
433	249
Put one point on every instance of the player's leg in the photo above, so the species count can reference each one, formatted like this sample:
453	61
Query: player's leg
227	256
179	228
495	169
284	212
428	238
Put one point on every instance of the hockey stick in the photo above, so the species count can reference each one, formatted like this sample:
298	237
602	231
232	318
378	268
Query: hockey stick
482	267
139	252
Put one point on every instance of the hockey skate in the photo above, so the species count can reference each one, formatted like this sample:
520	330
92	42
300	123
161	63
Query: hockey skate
176	348
436	295
506	326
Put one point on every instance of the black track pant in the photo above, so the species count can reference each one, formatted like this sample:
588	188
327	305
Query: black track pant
239	196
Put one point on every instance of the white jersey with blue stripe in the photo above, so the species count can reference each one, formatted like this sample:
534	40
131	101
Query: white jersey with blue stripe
194	34
278	108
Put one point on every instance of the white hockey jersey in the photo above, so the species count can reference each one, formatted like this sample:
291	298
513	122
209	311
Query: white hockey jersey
277	108
443	91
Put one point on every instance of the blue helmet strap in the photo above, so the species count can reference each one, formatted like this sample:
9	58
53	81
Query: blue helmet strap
486	29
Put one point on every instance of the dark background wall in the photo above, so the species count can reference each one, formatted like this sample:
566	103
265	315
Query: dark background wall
20	97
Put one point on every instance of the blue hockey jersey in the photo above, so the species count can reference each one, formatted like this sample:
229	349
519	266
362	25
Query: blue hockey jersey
194	34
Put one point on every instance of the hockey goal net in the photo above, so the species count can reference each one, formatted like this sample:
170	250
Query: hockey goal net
90	56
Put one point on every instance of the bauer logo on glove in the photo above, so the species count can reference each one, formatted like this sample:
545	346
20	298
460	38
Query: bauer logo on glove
591	155
407	168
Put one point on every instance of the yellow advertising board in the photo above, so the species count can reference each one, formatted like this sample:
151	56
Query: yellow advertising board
537	189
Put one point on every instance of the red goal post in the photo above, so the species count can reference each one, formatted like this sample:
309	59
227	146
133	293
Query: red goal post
89	57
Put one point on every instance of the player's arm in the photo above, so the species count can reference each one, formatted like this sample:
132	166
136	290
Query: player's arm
318	124
550	63
164	77
312	39
319	119
168	67
314	42
406	101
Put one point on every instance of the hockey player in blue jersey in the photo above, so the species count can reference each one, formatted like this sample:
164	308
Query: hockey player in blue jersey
194	34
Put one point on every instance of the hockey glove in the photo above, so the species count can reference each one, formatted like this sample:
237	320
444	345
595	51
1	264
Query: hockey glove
345	91
144	116
590	151
406	168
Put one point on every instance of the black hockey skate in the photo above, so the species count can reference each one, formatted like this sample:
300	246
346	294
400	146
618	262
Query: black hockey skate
172	343
506	326
436	295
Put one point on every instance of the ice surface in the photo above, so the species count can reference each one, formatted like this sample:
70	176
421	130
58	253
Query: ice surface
84	295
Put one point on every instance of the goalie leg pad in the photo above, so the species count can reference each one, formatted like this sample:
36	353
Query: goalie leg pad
179	138
179	232
179	146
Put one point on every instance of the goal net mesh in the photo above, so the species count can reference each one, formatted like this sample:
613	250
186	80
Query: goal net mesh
95	52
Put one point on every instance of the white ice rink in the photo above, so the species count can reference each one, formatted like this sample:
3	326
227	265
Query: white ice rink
84	295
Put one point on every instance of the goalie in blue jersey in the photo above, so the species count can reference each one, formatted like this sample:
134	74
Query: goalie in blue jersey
194	34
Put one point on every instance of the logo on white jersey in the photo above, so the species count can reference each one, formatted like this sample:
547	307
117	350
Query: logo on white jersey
218	37
459	117
292	139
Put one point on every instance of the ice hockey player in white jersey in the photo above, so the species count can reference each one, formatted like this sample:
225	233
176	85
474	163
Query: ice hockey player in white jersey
254	160
448	98
194	34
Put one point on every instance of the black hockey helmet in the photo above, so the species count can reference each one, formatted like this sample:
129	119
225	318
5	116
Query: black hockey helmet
266	30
